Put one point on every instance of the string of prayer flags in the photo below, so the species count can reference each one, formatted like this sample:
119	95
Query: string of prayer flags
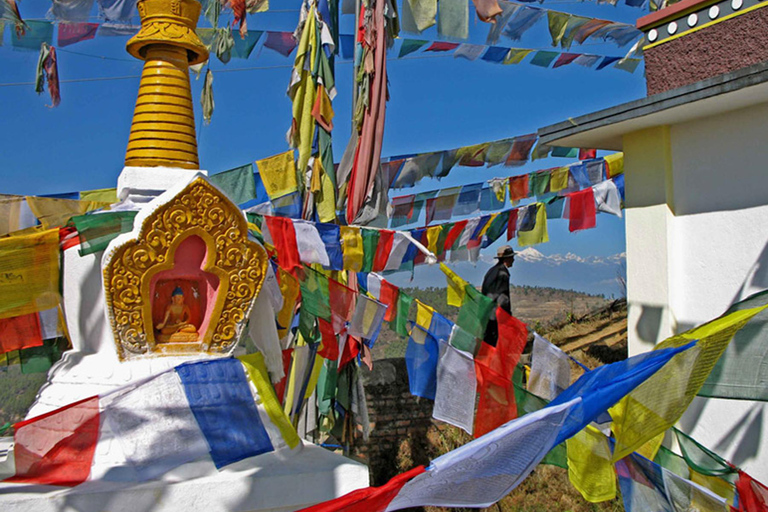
658	403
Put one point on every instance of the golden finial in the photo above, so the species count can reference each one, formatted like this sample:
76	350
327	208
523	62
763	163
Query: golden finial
163	127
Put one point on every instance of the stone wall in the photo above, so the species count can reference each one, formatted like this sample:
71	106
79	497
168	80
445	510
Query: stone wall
400	422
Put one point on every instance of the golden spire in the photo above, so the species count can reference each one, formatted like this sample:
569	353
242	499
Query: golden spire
163	127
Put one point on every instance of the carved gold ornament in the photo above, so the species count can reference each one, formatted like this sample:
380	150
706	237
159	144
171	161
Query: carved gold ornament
239	264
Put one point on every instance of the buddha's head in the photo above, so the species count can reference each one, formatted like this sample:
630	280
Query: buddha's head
177	297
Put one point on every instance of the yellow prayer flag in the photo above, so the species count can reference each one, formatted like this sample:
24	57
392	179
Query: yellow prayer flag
278	173
29	273
716	484
103	195
590	469
488	224
53	212
289	288
10	210
456	286
433	234
558	180
303	94
257	373
656	404
615	163
539	234
325	198
314	376
423	314
516	56
352	248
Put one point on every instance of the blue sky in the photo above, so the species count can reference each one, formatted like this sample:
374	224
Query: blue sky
437	102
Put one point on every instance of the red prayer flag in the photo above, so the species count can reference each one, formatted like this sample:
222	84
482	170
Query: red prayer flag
440	46
586	154
342	300
494	367
512	225
565	58
518	187
582	210
284	237
280	386
349	352
753	496
71	33
20	332
388	295
383	249
330	345
369	499
455	233
57	448
521	150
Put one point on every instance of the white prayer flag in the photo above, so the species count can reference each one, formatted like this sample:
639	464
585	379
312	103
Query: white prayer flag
456	388
310	245
550	369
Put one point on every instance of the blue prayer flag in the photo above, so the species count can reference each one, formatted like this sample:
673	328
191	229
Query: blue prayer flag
421	362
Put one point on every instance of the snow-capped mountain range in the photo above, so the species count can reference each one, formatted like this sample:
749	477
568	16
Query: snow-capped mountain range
588	274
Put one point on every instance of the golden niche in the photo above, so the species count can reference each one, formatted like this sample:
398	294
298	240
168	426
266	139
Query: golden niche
187	283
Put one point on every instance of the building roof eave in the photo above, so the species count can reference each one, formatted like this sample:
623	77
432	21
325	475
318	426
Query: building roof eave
605	129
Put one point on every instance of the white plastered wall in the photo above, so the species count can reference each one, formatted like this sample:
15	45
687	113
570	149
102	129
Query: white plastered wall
697	241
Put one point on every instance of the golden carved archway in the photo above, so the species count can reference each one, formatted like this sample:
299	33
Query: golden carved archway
239	264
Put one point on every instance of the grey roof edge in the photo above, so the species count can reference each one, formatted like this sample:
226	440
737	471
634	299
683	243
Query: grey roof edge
721	84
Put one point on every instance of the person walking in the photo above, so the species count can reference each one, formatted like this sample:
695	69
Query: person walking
496	287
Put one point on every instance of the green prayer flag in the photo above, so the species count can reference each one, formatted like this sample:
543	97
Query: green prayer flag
557	23
237	183
701	459
497	228
244	47
306	322
326	387
453	19
315	297
475	312
97	230
544	58
462	340
404	302
527	403
40	359
410	46
668	459
538	182
370	243
444	230
565	152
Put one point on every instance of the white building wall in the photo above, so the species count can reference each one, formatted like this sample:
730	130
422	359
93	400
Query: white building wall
715	243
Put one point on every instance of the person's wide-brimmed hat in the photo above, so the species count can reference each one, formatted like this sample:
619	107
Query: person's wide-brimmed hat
505	251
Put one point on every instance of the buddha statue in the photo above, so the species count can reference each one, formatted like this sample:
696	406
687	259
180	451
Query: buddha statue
175	326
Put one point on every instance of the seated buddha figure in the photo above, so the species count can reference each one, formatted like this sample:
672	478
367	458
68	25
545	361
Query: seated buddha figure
175	325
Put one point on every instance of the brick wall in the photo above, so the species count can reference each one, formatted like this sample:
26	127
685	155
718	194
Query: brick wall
400	422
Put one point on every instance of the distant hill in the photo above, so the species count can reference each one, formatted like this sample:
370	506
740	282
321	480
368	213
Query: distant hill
539	307
591	274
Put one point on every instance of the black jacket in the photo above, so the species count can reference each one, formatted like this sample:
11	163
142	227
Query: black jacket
496	286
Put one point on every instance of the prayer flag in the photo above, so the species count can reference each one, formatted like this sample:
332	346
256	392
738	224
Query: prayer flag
495	54
456	286
607	198
441	46
284	239
521	150
310	246
559	179
518	187
475	311
565	59
453	19
468	200
71	33
581	213
370	243
238	184
400	245
753	496
481	472
421	358
544	58
367	318
53	212
468	51
538	233
278	173
29	266
34	35
330	234
389	297
550	369
456	388
330	345
352	247
512	224
96	231
658	403
20	332
383	249
315	294
590	469
516	56
281	42
606	62
404	302
615	164
489	201
409	46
